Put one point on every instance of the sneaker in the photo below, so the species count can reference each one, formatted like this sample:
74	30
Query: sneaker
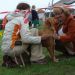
8	62
41	61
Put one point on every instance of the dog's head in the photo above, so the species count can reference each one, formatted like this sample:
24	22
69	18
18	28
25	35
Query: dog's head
49	23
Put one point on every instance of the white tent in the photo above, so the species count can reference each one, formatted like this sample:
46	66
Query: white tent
72	6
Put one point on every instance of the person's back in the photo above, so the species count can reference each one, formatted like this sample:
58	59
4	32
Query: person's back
9	32
10	16
35	17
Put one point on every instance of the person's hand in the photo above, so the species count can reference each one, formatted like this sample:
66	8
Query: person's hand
63	34
56	37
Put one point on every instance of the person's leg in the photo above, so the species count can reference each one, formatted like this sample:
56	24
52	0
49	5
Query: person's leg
26	55
36	49
66	48
37	55
20	54
8	61
69	48
13	57
35	23
59	46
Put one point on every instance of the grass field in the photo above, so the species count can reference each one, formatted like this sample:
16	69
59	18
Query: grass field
66	66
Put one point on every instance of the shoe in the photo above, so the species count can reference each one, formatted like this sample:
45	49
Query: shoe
9	65
8	62
41	61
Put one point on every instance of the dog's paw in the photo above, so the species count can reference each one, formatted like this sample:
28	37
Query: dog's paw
55	60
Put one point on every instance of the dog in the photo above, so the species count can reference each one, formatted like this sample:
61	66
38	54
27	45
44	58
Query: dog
49	29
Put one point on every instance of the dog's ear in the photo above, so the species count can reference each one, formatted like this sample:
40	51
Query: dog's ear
47	23
50	22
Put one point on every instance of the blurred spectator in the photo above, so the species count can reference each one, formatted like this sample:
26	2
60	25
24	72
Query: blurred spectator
35	18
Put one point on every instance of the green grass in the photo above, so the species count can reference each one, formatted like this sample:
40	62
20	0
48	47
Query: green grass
66	66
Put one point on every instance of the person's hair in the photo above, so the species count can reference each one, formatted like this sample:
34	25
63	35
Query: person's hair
33	6
66	11
23	6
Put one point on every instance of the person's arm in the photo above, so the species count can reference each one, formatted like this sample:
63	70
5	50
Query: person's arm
27	37
70	35
37	15
4	22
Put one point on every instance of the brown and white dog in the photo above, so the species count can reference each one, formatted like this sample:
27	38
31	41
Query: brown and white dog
48	28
